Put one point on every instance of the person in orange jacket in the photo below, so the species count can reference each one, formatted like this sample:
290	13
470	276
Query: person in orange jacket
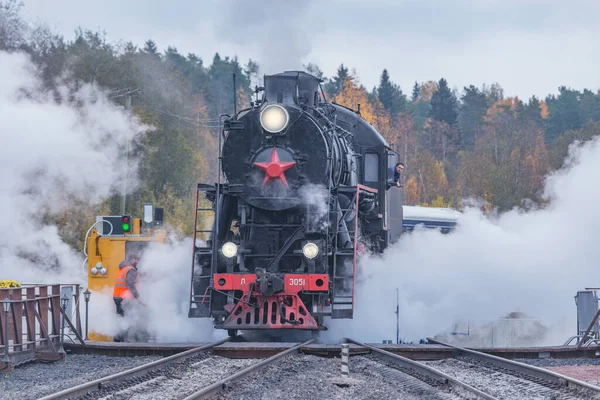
125	288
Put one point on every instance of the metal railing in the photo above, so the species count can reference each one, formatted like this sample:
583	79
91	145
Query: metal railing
33	320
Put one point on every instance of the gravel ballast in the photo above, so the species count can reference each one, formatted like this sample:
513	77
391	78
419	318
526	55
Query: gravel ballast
35	380
583	369
176	381
496	383
312	377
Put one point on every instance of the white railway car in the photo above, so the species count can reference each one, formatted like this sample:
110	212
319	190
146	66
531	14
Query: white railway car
444	219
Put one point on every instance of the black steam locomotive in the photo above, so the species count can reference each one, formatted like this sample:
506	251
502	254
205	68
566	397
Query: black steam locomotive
307	189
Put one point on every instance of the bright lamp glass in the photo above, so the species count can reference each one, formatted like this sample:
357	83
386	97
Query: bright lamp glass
229	249
310	250
274	118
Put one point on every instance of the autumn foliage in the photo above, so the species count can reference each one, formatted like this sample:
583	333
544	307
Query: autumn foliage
457	144
484	146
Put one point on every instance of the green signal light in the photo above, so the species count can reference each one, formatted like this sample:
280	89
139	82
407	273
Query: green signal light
125	227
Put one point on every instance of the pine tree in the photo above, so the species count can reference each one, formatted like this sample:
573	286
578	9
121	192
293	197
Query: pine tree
472	110
150	47
416	92
390	95
564	113
532	111
590	106
336	85
443	104
385	91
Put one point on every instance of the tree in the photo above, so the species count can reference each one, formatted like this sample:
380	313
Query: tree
533	111
470	118
443	104
314	70
429	179
12	28
416	92
336	85
559	151
427	89
354	95
564	113
508	163
493	93
390	94
150	48
440	138
385	91
590	106
220	76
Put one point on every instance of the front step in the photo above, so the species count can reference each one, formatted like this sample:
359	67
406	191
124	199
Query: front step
342	307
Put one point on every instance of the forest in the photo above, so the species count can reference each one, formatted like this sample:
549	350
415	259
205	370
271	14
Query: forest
469	145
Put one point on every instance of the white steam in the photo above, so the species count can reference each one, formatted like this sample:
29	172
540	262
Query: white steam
54	154
533	263
316	199
278	32
164	286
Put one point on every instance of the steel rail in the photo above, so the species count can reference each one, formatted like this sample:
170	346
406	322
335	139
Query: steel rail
422	369
525	369
85	388
218	387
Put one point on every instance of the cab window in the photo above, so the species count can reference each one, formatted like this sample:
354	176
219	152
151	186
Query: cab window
371	167
391	166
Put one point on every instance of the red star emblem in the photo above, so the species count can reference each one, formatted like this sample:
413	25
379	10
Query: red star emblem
274	168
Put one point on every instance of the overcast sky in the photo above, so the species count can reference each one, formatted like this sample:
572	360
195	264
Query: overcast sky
528	46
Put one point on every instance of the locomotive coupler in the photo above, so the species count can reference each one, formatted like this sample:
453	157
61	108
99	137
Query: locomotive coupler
268	283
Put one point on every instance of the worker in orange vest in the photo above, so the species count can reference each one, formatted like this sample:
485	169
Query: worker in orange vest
125	288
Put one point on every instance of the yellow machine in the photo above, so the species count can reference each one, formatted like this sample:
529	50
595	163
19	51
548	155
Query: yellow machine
111	240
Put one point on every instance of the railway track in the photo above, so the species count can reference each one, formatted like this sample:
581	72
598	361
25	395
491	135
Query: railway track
202	373
472	374
181	376
521	380
429	375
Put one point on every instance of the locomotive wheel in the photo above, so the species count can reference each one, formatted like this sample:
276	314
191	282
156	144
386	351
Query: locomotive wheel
232	333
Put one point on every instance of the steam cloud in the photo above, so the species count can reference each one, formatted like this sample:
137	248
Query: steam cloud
532	262
279	32
54	153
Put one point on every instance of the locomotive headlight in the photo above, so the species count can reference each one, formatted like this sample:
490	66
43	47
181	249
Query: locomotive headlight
229	250
310	250
274	118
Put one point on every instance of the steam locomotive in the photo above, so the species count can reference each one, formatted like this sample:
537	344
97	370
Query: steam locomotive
307	189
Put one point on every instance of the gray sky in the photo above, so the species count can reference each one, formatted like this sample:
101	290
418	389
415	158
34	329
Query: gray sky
528	46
